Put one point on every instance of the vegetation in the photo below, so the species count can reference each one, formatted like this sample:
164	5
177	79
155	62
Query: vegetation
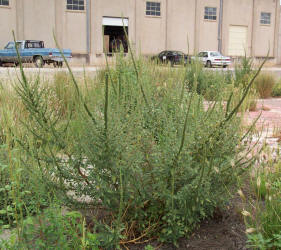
137	147
263	218
264	84
276	92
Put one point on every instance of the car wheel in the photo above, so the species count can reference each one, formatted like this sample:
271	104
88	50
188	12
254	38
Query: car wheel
224	66
38	62
209	64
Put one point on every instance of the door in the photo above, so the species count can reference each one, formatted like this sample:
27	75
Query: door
114	34
237	44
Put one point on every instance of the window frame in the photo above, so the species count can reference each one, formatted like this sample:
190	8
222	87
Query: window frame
4	5
71	6
153	9
265	20
209	14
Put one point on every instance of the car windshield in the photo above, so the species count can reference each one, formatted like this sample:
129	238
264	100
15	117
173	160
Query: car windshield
11	45
178	53
215	54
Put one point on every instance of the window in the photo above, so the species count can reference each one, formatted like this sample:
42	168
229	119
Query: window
265	18
203	54
210	13
153	9
4	2
215	54
34	44
75	5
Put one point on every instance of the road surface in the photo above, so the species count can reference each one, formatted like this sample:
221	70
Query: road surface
12	73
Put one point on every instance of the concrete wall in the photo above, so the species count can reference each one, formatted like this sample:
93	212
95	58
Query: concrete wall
151	31
264	35
38	24
207	30
232	15
116	8
7	23
181	21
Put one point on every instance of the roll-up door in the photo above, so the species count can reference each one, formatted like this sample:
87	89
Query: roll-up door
237	40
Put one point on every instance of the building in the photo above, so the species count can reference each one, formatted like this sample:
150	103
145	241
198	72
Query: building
90	27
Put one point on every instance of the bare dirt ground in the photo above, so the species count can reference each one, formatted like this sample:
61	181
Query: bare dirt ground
225	231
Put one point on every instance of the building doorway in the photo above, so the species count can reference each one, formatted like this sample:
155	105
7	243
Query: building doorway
114	35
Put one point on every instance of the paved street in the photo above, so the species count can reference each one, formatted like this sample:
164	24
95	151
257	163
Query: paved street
11	73
7	73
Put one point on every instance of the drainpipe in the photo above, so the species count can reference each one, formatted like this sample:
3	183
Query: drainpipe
88	31
220	27
195	29
166	38
275	46
253	30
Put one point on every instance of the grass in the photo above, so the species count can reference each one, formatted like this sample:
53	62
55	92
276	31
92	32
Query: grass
276	91
264	84
264	218
140	143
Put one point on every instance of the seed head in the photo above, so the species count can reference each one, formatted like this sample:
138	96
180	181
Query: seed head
245	213
269	198
258	181
250	230
241	194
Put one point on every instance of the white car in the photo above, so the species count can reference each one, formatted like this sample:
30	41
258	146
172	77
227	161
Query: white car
214	58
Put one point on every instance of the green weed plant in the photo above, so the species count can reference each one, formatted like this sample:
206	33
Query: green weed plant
138	146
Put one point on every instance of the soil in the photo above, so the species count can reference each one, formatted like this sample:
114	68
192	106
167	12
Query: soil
225	231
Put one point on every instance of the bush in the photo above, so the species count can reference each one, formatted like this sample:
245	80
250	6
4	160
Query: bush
276	90
137	146
210	84
264	84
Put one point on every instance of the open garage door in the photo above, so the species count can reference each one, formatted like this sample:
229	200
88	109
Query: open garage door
237	40
114	34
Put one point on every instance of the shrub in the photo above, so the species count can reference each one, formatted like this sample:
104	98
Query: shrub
210	84
276	90
137	146
264	84
243	72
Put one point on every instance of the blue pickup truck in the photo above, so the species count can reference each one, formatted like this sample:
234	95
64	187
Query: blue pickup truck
32	51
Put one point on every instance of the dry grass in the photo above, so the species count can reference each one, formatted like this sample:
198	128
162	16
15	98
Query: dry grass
264	85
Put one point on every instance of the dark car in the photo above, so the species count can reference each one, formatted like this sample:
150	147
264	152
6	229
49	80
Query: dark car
173	57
